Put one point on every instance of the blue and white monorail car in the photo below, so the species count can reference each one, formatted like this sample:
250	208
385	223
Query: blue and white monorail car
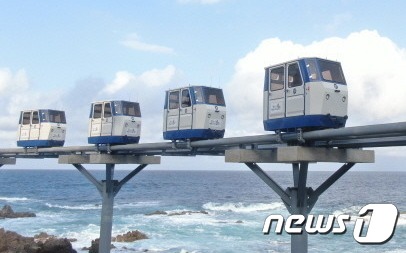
307	93
41	128
114	122
194	112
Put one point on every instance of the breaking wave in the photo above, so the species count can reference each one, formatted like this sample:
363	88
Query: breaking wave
241	207
80	207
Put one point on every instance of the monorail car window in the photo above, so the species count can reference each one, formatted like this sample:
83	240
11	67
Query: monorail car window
312	69
174	100
107	110
57	116
186	98
277	78
35	117
198	94
294	77
26	118
214	96
97	111
131	109
331	71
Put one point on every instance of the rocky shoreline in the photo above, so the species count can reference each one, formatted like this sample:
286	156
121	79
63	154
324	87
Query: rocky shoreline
131	236
8	212
11	242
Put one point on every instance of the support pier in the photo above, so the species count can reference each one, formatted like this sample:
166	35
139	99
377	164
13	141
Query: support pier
7	161
109	187
299	199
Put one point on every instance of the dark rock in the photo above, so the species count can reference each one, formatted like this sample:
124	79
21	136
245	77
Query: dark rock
53	245
157	213
13	242
7	212
239	221
131	236
188	213
42	237
94	248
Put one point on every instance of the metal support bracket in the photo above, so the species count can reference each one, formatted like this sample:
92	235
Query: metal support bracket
270	182
299	199
108	189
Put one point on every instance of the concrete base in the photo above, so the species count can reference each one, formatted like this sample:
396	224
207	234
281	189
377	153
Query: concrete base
108	159
7	161
295	154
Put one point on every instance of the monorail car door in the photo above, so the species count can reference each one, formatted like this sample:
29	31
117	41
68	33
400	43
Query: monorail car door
31	125
107	120
172	120
276	94
185	115
25	126
101	121
286	96
295	100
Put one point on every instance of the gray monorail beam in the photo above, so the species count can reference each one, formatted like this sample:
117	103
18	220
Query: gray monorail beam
368	130
365	143
232	141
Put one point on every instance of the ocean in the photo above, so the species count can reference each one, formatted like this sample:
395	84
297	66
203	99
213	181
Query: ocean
236	202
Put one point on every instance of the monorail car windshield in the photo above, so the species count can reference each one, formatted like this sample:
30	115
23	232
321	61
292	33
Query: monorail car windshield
41	128
308	93
194	112
114	122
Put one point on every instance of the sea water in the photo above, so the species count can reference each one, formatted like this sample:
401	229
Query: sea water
236	202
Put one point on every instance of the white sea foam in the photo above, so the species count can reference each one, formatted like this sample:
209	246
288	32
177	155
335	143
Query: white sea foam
79	207
137	204
14	199
352	210
396	251
402	219
242	208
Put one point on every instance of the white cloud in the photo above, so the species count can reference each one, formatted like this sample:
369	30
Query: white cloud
10	82
158	77
373	65
133	41
122	79
151	78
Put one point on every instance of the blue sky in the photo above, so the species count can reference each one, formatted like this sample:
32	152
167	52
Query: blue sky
68	54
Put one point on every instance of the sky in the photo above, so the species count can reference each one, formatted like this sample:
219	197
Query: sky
65	55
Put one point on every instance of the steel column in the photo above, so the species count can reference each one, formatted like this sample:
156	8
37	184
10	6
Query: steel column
108	189
299	195
106	222
299	199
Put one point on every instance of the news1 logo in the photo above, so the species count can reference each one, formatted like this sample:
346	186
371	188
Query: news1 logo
380	228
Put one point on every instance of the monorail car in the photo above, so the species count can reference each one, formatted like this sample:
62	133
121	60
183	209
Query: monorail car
194	112
41	128
307	93
114	122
